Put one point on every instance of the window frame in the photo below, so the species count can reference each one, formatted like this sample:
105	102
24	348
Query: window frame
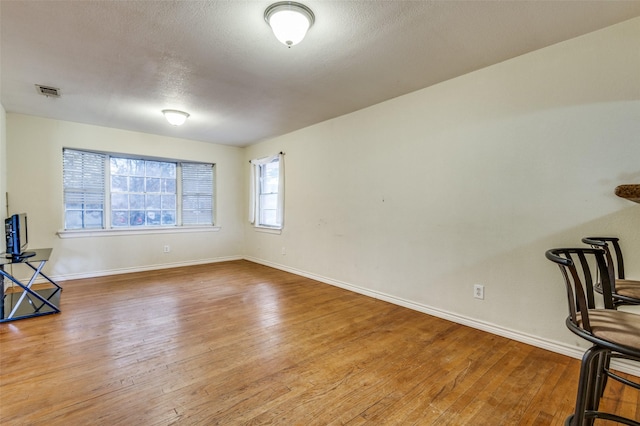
258	166
108	229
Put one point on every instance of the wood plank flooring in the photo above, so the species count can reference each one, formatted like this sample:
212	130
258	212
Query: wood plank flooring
238	343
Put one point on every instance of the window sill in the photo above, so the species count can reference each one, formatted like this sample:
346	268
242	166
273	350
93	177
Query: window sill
266	230
138	231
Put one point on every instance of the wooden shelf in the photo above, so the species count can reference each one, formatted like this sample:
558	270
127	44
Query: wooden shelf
630	192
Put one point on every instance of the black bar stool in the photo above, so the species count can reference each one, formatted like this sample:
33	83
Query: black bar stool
612	333
624	291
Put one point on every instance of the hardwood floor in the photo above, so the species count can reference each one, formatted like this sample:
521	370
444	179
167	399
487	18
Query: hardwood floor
239	343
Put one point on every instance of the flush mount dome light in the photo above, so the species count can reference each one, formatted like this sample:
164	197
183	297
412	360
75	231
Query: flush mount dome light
175	117
289	21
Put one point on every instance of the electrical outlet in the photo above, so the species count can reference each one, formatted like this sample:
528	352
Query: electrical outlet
284	251
166	248
478	291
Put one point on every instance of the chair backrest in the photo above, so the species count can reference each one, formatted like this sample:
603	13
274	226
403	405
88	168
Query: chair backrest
602	244
614	241
581	268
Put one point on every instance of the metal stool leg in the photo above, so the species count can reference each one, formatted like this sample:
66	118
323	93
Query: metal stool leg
588	392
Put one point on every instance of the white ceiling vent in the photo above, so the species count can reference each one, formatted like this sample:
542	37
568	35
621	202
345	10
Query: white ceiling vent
48	91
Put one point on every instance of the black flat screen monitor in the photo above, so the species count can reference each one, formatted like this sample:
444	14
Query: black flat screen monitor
17	235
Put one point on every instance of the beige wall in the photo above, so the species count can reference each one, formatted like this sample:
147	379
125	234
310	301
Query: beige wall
417	199
35	186
3	160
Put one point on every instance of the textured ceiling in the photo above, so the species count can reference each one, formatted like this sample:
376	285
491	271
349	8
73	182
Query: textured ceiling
119	63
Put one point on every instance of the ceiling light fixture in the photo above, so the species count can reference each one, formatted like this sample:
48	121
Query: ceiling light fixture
289	21
175	117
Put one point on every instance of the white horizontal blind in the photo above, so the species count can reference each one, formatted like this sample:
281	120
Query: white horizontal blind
84	189
197	194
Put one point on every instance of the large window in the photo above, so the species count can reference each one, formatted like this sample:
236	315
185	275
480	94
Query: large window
267	192
104	191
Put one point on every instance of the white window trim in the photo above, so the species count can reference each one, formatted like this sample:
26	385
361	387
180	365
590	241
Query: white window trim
89	233
268	229
254	212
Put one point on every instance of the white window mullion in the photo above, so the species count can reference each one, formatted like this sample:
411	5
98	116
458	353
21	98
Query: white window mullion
107	190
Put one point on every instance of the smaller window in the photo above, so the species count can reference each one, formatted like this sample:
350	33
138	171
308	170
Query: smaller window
267	192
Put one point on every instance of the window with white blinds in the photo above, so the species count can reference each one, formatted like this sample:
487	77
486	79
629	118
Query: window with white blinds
84	189
197	194
108	191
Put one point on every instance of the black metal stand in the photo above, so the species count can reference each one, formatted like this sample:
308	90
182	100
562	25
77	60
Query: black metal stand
28	301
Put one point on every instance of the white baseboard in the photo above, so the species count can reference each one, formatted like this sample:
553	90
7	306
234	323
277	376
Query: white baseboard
550	345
